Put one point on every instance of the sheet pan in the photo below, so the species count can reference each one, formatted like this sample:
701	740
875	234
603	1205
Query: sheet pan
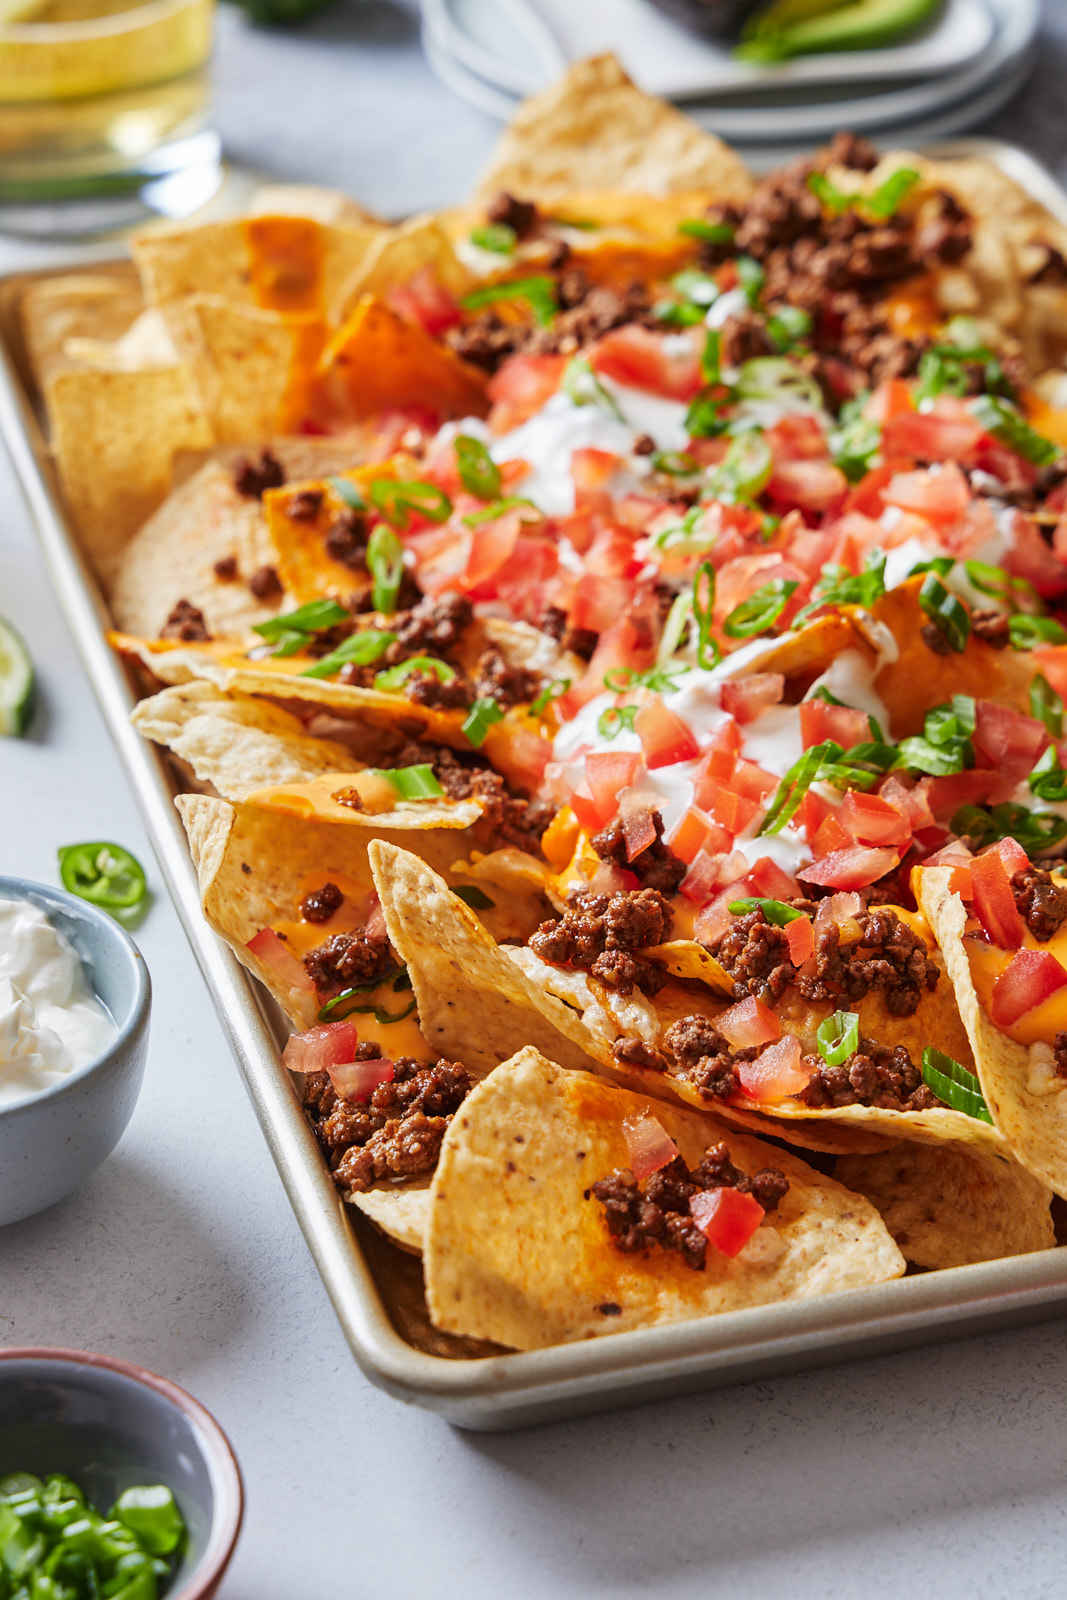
376	1289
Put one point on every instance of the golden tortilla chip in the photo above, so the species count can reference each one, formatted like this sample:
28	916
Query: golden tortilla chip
515	1252
594	129
255	368
1029	1108
330	207
950	1205
396	256
400	1211
377	360
98	306
115	435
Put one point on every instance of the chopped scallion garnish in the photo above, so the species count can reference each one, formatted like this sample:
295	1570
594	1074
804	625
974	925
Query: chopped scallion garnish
760	611
775	911
362	648
954	1084
838	1037
478	472
385	563
411	783
479	719
949	615
396	677
539	292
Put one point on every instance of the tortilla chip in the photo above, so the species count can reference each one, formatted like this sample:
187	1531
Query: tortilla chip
328	206
115	435
377	360
400	1211
515	1252
950	1205
396	256
1035	1125
235	743
99	306
595	130
254	368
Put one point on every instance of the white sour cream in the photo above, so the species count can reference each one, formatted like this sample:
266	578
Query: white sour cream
51	1023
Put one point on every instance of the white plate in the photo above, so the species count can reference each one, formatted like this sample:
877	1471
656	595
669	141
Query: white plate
520	45
795	112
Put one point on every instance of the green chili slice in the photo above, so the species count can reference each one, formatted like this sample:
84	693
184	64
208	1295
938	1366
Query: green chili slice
709	653
478	472
397	498
539	292
1007	423
583	388
474	897
1026	632
315	617
1046	705
775	911
616	720
106	875
550	692
385	563
709	232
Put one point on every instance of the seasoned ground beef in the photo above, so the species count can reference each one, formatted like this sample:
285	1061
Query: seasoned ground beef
427	689
346	538
508	686
756	955
744	337
887	956
515	820
347	959
599	933
225	569
587	311
253	479
304	505
635	1053
519	215
660	1214
704	1057
1060	1054
432	627
655	868
397	1132
992	626
1042	903
186	622
873	1076
320	904
265	583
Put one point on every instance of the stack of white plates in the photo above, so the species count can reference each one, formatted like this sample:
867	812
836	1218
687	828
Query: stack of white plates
964	66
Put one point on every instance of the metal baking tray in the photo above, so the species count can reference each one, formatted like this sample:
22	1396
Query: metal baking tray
375	1288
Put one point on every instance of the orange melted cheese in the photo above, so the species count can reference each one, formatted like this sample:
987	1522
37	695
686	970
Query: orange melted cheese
988	961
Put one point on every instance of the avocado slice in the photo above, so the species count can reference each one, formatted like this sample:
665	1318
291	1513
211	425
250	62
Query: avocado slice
860	25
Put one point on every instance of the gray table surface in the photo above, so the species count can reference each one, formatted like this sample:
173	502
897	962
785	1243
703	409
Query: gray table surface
939	1471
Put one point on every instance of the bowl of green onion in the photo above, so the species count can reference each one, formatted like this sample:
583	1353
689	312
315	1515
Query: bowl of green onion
113	1482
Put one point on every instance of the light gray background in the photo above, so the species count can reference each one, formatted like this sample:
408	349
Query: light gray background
936	1472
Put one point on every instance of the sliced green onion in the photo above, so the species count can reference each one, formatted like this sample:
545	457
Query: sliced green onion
397	498
699	287
854	446
839	587
1048	781
838	1037
616	720
678	313
478	472
362	648
1026	632
760	611
703	419
474	897
1046	705
675	463
395	677
711	357
381	1016
828	194
775	911
745	470
550	692
385	563
346	490
955	719
689	535
479	719
1034	830
710	232
889	195
954	1084
583	388
778	378
789	326
538	291
495	236
674	627
751	278
709	653
1007	423
513	502
315	617
947	613
327	1012
795	785
411	783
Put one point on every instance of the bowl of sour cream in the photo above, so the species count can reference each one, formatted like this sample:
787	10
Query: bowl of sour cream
74	1004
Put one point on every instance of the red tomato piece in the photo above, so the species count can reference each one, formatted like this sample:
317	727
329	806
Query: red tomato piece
1031	558
732	811
600	601
830	835
704	876
1009	741
726	1218
320	1048
519	752
623	645
357	1080
746	698
665	738
814	486
608	773
1051	661
948	432
748	1023
276	954
941	497
492	544
588	810
640	358
1012	854
873	820
649	1144
776	1072
851	869
521	387
637	809
797	438
426	302
767	879
956	789
813	811
993	902
751	780
1030	977
800	934
696	833
819	720
914	802
891	399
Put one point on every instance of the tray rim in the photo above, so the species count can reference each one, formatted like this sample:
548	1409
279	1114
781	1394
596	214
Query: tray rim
493	1392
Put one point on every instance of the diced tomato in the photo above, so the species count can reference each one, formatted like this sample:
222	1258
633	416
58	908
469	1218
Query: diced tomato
637	808
941	497
746	698
947	432
600	601
956	789
819	720
873	820
732	811
994	904
831	835
1002	462
957	858
276	954
648	1144
814	486
320	1048
696	832
665	738
521	387
1031	558
640	357
748	1023
592	469
800	934
608	773
425	301
704	877
357	1080
611	553
776	1072
587	810
1051	662
890	400
1009	741
524	582
491	546
840	911
727	1218
797	438
623	645
812	811
637	511
851	869
767	879
913	802
865	497
715	770
1030	977
741	577
751	780
1012	854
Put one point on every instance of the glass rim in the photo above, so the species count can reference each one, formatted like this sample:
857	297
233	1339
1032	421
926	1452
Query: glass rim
117	22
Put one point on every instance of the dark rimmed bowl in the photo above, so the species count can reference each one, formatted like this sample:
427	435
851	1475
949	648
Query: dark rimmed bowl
52	1141
109	1425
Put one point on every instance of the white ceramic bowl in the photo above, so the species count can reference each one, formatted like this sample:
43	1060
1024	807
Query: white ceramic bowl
52	1141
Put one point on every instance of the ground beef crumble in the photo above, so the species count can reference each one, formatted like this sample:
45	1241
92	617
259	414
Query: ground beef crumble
397	1132
265	583
346	539
186	622
320	904
346	959
515	819
704	1057
657	867
874	1075
599	934
1060	1054
254	478
660	1214
1042	904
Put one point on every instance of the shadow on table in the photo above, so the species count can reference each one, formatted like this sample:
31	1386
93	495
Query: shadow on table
858	1457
